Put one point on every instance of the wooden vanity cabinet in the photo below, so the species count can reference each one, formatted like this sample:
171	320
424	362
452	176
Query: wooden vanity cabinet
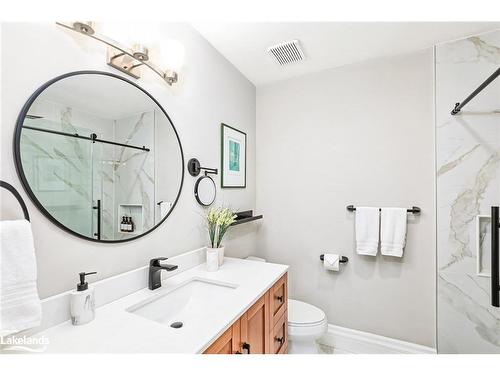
254	326
262	329
228	343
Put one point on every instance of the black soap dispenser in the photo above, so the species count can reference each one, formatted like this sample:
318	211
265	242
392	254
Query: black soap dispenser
82	302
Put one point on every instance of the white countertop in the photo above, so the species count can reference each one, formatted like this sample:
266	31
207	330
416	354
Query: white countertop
114	330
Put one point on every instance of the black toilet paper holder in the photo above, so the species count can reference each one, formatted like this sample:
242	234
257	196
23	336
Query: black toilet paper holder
343	259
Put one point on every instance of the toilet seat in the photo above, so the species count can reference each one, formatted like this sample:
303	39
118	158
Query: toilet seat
306	324
301	314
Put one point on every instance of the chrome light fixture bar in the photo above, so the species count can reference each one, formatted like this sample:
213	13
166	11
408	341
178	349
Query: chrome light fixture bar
126	60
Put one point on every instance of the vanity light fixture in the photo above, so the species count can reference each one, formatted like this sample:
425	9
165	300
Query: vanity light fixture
125	59
84	27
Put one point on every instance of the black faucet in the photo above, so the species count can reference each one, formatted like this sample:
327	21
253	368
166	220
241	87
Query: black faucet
155	271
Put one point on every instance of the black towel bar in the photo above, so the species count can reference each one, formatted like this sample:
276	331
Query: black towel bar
413	210
16	194
343	259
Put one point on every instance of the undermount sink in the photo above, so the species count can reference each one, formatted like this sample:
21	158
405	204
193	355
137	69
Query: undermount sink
188	305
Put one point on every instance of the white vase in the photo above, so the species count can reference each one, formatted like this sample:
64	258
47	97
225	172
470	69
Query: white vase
212	259
221	255
220	252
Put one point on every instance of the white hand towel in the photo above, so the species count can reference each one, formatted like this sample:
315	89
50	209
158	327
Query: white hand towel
20	306
392	231
367	230
331	262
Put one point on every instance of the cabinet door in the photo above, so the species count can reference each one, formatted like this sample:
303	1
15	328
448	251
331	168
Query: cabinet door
278	299
255	327
279	336
228	343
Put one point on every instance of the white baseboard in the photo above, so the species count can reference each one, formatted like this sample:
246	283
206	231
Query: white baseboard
346	340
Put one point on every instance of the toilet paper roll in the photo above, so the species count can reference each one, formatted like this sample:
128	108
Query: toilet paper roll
331	262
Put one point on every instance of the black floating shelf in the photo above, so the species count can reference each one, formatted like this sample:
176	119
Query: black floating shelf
245	217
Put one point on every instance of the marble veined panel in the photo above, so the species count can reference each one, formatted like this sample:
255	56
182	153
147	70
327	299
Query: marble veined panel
468	184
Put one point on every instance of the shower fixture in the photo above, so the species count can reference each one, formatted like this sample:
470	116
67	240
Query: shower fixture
125	59
459	106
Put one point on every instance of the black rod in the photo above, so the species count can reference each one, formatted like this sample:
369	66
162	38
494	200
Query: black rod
495	272
413	210
342	258
98	208
92	138
459	106
209	170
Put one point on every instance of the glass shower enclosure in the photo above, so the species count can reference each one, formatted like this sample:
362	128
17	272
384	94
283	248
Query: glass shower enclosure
61	170
468	185
89	184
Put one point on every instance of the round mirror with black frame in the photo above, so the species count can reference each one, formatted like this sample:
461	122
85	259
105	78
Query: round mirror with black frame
205	190
99	156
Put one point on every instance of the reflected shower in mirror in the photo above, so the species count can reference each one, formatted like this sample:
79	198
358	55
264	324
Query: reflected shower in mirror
99	156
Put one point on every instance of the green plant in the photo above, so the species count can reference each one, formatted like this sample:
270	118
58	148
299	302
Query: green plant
219	220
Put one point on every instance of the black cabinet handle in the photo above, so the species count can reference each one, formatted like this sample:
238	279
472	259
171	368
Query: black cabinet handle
495	271
279	298
246	346
280	339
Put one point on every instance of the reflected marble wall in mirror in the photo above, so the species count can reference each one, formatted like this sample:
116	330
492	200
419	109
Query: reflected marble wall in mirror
99	156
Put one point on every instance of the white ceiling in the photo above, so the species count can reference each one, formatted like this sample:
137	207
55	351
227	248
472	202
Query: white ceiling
326	44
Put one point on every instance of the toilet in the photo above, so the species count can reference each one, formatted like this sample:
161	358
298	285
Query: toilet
306	324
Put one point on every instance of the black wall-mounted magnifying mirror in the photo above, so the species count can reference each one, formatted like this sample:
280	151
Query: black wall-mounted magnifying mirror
205	190
194	168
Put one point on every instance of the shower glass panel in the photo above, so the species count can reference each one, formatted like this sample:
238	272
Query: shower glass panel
81	182
468	184
59	169
123	178
100	200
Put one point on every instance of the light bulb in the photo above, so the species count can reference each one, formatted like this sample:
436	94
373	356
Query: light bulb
172	55
118	31
130	34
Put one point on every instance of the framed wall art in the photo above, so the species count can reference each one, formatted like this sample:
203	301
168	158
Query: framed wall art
233	157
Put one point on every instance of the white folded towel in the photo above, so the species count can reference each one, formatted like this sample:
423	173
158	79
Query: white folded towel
367	230
331	262
20	306
392	231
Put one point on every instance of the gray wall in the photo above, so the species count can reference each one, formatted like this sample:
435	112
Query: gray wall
210	91
361	135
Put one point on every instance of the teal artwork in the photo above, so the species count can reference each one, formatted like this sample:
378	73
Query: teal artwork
234	156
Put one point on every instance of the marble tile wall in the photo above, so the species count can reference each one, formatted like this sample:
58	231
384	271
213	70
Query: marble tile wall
468	184
64	172
115	175
134	171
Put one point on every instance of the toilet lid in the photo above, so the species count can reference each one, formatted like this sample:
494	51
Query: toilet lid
301	313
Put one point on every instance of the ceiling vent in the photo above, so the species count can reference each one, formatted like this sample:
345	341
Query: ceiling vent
287	52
